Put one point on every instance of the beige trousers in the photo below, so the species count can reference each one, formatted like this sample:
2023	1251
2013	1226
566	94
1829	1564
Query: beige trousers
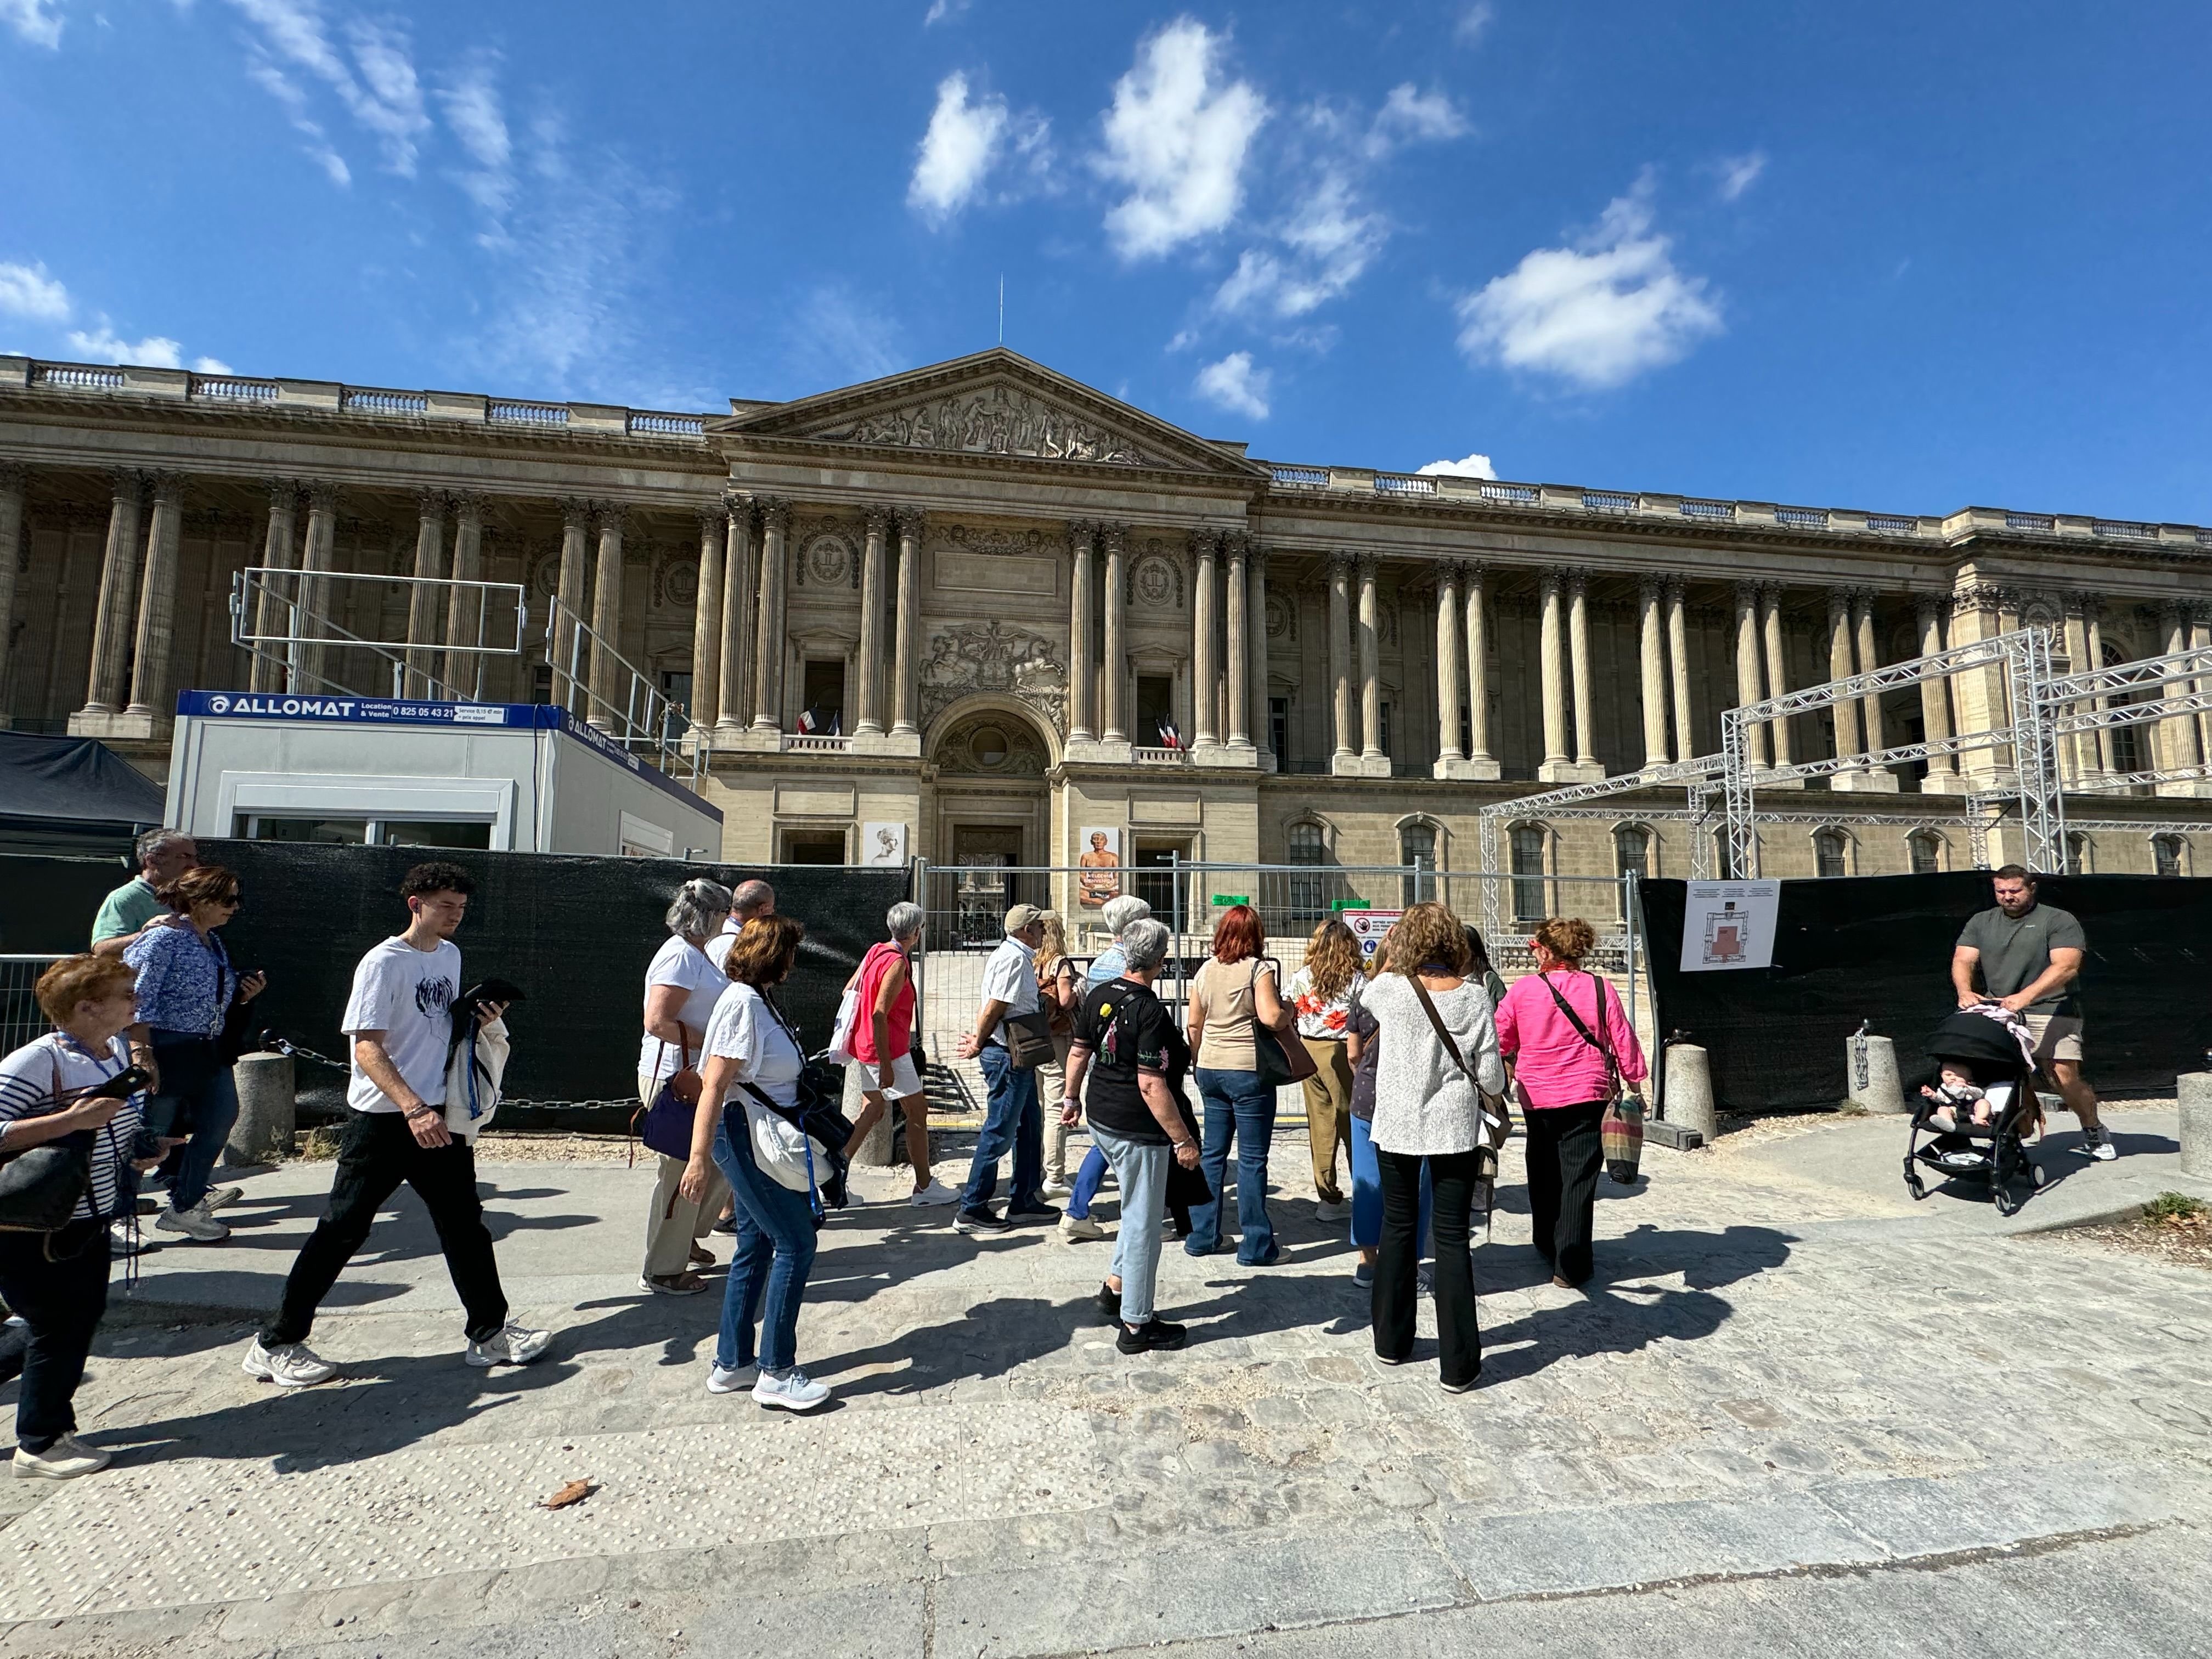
673	1225
1328	1115
1052	1090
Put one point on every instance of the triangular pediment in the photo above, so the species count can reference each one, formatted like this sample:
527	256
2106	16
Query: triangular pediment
994	403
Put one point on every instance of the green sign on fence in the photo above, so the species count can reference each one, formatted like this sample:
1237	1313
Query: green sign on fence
1225	900
1350	904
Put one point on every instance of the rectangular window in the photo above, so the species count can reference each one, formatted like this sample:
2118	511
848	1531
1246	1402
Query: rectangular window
1466	729
821	707
1155	711
1416	845
1382	732
814	847
1279	730
1307	847
328	832
1527	845
541	683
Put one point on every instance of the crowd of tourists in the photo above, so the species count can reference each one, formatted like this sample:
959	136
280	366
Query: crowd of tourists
1410	1064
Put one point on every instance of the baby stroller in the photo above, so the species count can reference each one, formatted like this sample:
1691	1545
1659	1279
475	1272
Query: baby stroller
1995	1152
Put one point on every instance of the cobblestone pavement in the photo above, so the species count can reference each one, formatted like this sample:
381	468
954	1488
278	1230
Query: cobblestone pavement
1779	1388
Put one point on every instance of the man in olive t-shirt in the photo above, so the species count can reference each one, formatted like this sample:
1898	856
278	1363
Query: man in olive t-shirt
2030	956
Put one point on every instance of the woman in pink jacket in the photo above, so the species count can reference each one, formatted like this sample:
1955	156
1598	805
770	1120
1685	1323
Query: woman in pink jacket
1568	1038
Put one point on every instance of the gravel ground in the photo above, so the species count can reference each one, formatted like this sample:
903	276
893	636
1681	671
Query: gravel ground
2176	1240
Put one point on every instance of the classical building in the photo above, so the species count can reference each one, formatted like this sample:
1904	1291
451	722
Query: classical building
977	611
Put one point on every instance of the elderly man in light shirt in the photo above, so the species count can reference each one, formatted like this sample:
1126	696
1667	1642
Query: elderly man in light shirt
1014	1118
750	899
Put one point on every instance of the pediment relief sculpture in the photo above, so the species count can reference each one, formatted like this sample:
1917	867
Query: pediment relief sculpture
992	420
989	657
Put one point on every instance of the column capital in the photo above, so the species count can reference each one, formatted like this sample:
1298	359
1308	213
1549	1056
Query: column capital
712	515
469	506
876	521
169	487
1205	543
128	483
2170	611
575	514
1578	583
1672	589
12	474
1368	566
1839	605
1449	572
911	519
1926	607
612	515
738	504
1081	532
1341	560
1551	579
1747	592
1650	587
1238	545
322	495
1115	537
428	503
1770	593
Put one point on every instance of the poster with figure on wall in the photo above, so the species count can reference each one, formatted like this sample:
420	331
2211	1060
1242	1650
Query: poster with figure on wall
1100	862
883	846
1728	925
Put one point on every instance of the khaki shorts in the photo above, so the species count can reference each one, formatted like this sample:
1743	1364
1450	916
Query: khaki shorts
2058	1037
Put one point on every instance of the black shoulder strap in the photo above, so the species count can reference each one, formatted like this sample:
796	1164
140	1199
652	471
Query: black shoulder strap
1436	1024
1603	1047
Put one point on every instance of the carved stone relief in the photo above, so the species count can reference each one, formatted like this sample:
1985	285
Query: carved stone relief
990	745
997	420
1282	619
679	583
971	539
987	657
1156	582
827	561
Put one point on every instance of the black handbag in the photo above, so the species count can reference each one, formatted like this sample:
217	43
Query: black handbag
41	1185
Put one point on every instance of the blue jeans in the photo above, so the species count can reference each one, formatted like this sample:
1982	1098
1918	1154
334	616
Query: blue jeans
203	1108
1367	1195
1141	1166
1241	1107
1088	1180
1012	1119
775	1253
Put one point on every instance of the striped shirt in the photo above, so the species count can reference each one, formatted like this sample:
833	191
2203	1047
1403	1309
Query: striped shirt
28	1080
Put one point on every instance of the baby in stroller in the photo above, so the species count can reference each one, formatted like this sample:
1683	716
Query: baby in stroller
1980	1109
1955	1093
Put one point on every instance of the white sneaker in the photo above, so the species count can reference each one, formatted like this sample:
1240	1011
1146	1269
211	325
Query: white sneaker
933	1195
516	1344
194	1223
218	1197
1057	1187
795	1391
123	1239
1076	1228
1338	1211
2097	1143
737	1382
66	1459
289	1365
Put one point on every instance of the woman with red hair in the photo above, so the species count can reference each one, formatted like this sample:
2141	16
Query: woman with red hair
1232	993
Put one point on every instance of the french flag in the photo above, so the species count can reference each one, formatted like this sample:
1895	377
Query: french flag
810	723
1169	737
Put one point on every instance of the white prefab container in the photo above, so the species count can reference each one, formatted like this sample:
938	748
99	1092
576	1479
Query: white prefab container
512	777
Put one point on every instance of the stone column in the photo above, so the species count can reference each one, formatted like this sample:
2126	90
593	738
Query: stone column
318	553
1746	668
1552	668
1777	664
1654	641
566	645
767	649
112	622
278	552
11	541
2179	735
707	620
1081	672
1449	683
609	699
1370	667
2093	619
1480	761
1839	668
1238	630
1678	657
736	621
1114	671
157	602
868	702
2200	639
1869	660
1935	697
1205	670
906	713
1340	660
465	613
422	608
1586	760
1255	622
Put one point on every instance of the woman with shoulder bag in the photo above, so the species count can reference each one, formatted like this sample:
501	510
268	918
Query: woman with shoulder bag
681	987
1233	993
57	1280
883	1047
186	988
1439	1058
753	1066
1571	1047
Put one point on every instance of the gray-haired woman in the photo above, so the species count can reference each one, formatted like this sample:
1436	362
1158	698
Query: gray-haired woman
681	989
883	1042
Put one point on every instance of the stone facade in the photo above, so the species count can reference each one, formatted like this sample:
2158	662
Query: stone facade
1017	609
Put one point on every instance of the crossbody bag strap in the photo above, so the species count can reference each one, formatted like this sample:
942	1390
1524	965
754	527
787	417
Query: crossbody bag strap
1437	1022
1604	1048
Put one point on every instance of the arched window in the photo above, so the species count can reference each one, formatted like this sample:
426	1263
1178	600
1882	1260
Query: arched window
1528	872
2169	854
1832	853
1416	845
2127	741
1632	851
1925	849
1307	845
2081	853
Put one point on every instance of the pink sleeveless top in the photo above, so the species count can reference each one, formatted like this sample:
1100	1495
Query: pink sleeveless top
882	957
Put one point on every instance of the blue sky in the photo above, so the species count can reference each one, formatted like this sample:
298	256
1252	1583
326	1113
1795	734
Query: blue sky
1897	255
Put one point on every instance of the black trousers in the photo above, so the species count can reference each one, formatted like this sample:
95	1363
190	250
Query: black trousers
1451	1178
62	1300
1566	1151
377	1152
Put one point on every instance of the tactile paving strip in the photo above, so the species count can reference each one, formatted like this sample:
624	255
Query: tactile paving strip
198	1531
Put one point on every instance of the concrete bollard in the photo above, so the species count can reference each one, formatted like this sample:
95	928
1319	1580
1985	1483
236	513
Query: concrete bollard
266	1102
1690	1089
2195	1089
876	1145
1870	1075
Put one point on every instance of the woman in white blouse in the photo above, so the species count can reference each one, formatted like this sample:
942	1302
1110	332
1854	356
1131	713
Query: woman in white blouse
681	989
1429	1113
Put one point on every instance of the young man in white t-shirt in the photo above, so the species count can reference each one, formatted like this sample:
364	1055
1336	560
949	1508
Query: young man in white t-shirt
400	1019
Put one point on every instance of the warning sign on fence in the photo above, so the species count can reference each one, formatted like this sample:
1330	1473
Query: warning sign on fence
1368	926
1728	924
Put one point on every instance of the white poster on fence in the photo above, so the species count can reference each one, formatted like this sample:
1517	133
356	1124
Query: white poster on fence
883	846
1368	926
1728	924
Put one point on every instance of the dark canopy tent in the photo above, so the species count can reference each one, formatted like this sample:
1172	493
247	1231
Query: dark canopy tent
71	796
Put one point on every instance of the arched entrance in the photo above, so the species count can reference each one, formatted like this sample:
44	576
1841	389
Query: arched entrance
992	816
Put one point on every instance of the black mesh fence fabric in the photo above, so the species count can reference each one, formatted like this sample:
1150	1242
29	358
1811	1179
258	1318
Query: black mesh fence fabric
1878	948
574	933
47	902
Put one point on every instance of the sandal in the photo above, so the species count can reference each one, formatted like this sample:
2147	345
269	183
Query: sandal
683	1284
702	1258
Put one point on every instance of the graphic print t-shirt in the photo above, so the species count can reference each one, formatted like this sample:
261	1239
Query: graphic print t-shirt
409	995
1129	1033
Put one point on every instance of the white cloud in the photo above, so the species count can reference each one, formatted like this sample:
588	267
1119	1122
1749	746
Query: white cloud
379	89
1177	137
1471	466
1474	22
36	20
472	103
1598	314
1408	116
211	366
104	345
1739	172
940	10
1234	384
966	142
27	291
